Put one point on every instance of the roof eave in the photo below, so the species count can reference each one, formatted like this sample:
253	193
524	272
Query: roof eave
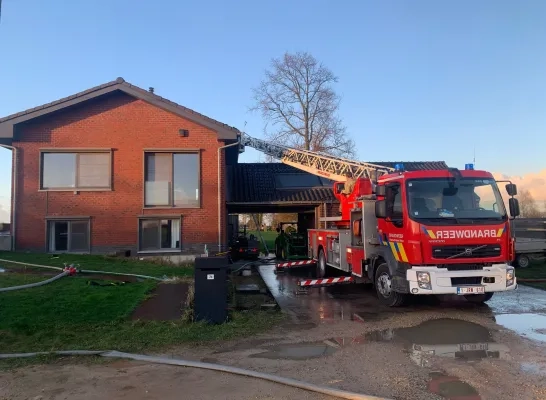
224	132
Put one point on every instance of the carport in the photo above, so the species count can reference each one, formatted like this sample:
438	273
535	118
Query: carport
279	188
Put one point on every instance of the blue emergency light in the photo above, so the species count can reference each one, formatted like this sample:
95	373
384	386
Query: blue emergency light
399	167
469	166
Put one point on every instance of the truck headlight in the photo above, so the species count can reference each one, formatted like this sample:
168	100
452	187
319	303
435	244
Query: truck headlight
423	280
510	276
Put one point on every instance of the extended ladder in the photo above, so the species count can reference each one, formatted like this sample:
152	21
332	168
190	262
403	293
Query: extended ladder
316	163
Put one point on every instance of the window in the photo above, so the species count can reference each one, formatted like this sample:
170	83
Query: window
171	180
156	234
75	171
70	236
394	201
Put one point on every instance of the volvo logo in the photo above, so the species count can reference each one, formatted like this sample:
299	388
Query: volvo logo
468	252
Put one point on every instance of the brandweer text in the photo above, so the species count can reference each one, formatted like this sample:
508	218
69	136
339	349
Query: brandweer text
467	234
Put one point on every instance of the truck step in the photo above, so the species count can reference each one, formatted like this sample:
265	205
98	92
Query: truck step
326	281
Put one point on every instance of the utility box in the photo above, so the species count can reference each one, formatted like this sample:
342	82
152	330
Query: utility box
211	289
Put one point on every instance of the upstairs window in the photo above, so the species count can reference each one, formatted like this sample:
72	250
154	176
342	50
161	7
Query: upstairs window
172	180
63	170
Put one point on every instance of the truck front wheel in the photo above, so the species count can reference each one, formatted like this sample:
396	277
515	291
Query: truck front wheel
383	287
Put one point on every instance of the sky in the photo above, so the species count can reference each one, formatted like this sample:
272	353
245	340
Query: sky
419	80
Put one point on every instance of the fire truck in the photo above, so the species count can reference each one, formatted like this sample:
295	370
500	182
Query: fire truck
424	232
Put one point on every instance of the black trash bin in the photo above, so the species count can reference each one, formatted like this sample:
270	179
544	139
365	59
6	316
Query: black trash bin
211	289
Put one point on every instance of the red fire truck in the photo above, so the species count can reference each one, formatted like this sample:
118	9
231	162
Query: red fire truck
411	232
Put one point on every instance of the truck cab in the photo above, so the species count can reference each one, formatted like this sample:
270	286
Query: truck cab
443	232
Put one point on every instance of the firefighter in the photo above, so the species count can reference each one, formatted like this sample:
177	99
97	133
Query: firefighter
347	187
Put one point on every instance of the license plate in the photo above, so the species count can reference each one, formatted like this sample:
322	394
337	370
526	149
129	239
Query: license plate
474	346
471	290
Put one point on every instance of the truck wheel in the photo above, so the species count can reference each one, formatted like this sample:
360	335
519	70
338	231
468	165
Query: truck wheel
478	298
523	261
321	264
383	287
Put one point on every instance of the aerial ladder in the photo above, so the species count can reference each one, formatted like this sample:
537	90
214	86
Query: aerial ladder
316	163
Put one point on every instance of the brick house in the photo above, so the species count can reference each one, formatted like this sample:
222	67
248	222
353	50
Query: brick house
117	168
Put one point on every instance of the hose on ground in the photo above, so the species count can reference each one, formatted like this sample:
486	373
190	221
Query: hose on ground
261	260
342	394
88	271
31	285
31	265
84	270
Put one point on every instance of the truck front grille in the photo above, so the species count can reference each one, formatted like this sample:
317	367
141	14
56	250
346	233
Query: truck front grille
462	251
466	280
462	267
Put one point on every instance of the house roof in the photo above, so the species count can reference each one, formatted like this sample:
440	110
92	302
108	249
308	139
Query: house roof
277	183
224	132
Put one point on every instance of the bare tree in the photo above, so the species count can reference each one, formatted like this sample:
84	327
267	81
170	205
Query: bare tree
528	206
298	102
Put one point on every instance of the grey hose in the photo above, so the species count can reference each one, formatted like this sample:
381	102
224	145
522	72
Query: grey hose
87	271
342	394
83	270
31	285
31	265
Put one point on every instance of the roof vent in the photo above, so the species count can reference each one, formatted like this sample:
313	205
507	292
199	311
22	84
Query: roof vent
151	89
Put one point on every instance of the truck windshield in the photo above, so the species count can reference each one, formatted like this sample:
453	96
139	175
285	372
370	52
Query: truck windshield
443	199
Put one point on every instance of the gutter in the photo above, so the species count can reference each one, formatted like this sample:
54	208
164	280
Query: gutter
220	193
14	190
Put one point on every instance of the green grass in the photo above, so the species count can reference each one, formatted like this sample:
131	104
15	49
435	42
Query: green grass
98	262
70	314
534	271
269	237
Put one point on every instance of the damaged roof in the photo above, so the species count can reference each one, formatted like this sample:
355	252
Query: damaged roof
224	132
277	183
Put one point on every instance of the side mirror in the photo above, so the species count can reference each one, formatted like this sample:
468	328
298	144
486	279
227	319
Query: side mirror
511	189
514	206
381	209
381	190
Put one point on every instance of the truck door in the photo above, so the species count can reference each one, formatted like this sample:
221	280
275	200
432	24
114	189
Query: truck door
393	234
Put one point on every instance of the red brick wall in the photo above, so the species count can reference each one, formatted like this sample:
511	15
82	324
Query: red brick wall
128	126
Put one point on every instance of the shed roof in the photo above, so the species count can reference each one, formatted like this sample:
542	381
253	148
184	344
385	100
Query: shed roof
224	132
277	183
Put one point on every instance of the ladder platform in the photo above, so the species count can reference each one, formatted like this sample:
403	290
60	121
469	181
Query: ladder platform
325	281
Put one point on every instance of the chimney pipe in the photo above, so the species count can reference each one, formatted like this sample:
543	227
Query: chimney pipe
151	89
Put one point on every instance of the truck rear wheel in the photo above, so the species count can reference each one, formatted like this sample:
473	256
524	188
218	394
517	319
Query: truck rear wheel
478	298
383	287
321	264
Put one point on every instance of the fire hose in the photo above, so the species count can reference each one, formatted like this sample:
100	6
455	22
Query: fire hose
342	394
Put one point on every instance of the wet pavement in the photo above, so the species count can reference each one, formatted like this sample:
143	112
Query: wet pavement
522	311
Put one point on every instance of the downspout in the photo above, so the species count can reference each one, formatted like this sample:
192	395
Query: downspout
14	190
220	195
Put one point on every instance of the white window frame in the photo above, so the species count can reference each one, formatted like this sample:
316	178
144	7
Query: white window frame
50	234
176	236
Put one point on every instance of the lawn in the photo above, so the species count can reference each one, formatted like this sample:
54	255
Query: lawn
534	271
71	314
269	237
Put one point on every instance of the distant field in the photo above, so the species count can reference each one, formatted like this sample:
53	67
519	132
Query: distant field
269	237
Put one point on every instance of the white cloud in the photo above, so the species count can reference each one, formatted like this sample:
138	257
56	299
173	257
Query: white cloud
534	182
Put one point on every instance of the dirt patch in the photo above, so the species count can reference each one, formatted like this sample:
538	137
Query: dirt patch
166	303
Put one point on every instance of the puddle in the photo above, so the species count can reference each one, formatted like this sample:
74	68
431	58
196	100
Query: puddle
532	326
534	368
451	388
2	270
297	351
450	338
